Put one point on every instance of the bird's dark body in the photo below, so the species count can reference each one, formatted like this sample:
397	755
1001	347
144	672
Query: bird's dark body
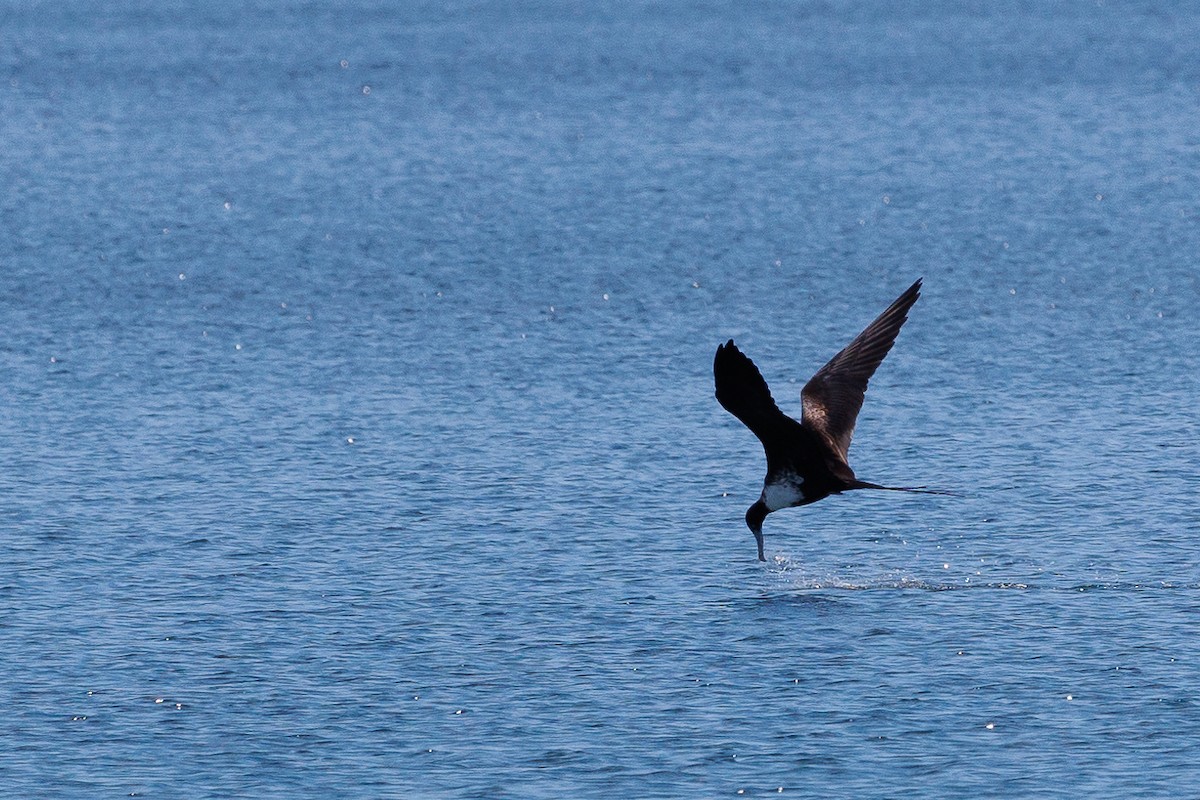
807	459
805	454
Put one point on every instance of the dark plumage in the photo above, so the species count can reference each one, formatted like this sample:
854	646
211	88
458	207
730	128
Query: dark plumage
806	460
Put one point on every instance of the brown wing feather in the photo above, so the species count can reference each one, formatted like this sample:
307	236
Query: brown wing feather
834	396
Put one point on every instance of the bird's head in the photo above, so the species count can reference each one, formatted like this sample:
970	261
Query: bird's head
755	515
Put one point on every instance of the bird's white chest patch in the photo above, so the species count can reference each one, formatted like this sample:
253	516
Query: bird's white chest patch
783	494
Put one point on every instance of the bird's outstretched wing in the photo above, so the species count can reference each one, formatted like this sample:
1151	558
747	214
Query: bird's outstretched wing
834	396
743	392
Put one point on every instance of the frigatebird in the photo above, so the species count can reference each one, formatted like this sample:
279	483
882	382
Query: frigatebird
806	460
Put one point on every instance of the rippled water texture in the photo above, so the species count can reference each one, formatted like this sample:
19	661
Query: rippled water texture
357	435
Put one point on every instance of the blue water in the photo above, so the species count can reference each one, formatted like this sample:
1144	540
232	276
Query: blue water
357	435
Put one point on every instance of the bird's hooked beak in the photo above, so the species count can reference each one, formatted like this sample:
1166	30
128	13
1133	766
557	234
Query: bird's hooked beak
755	515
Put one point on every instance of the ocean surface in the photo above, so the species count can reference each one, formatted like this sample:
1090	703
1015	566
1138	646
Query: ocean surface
357	430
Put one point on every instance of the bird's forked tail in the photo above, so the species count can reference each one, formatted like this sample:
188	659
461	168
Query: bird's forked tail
913	489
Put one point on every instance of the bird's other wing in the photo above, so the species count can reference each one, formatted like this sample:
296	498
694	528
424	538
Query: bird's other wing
834	396
743	392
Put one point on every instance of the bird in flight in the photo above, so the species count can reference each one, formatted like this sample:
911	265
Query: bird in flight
806	460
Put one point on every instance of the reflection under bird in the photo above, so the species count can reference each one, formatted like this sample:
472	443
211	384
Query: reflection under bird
806	460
